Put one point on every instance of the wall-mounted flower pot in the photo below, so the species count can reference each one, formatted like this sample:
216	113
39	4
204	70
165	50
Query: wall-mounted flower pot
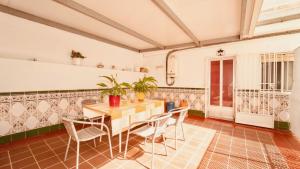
77	61
114	101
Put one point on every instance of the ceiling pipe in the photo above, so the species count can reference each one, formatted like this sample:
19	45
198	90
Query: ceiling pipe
167	59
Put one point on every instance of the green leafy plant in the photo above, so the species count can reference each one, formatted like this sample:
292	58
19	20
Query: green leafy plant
75	54
113	87
144	85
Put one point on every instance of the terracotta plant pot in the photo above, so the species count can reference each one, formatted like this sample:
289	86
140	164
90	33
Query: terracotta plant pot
114	101
183	103
140	96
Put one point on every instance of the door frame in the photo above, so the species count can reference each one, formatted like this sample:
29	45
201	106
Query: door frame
221	108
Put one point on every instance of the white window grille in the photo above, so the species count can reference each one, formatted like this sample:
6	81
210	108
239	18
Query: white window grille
277	71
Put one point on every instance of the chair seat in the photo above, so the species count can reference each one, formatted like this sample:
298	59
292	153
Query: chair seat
90	133
147	131
144	131
172	121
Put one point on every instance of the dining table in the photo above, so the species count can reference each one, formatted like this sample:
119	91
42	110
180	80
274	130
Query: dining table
125	114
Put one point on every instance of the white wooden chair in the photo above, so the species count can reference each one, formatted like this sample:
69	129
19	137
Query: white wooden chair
92	116
153	128
176	122
85	134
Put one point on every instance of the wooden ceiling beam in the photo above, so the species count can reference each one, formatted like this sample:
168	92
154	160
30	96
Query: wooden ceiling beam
170	13
250	11
243	18
97	16
255	14
226	40
278	20
30	17
202	43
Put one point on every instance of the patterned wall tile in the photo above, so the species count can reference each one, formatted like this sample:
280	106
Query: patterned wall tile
31	121
195	97
17	112
5	123
25	111
43	107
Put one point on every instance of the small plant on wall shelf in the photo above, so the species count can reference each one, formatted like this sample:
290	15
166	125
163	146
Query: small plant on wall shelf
143	86
77	57
114	89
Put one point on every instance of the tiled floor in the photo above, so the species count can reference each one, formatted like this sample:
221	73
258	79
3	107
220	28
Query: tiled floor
233	146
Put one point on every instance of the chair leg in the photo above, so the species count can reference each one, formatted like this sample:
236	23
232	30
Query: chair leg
77	155
164	138
120	142
152	161
95	143
175	137
102	121
110	147
125	151
67	150
182	132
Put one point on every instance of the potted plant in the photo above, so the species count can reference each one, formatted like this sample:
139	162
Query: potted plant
114	89
143	86
77	57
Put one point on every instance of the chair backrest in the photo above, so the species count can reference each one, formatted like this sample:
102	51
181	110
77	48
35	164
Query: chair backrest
160	123
182	113
70	127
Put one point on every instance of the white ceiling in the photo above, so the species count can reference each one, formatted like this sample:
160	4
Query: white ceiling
272	9
206	19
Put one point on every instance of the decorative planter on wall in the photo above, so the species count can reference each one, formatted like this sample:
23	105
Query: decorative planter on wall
77	61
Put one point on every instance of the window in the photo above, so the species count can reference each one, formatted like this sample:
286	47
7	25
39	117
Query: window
277	72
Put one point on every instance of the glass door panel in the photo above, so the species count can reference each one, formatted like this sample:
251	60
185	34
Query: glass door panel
215	83
227	83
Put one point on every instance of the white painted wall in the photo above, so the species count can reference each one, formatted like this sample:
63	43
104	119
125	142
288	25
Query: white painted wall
192	63
295	99
23	39
20	75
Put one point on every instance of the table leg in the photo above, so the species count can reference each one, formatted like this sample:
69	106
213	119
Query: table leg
120	142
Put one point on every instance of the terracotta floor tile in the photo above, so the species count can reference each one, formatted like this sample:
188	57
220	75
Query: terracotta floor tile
40	150
31	166
37	144
3	154
85	165
257	147
237	163
18	150
23	163
71	153
5	167
48	162
219	158
4	161
61	149
71	162
257	164
58	166
20	156
89	154
44	155
98	161
216	165
115	153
